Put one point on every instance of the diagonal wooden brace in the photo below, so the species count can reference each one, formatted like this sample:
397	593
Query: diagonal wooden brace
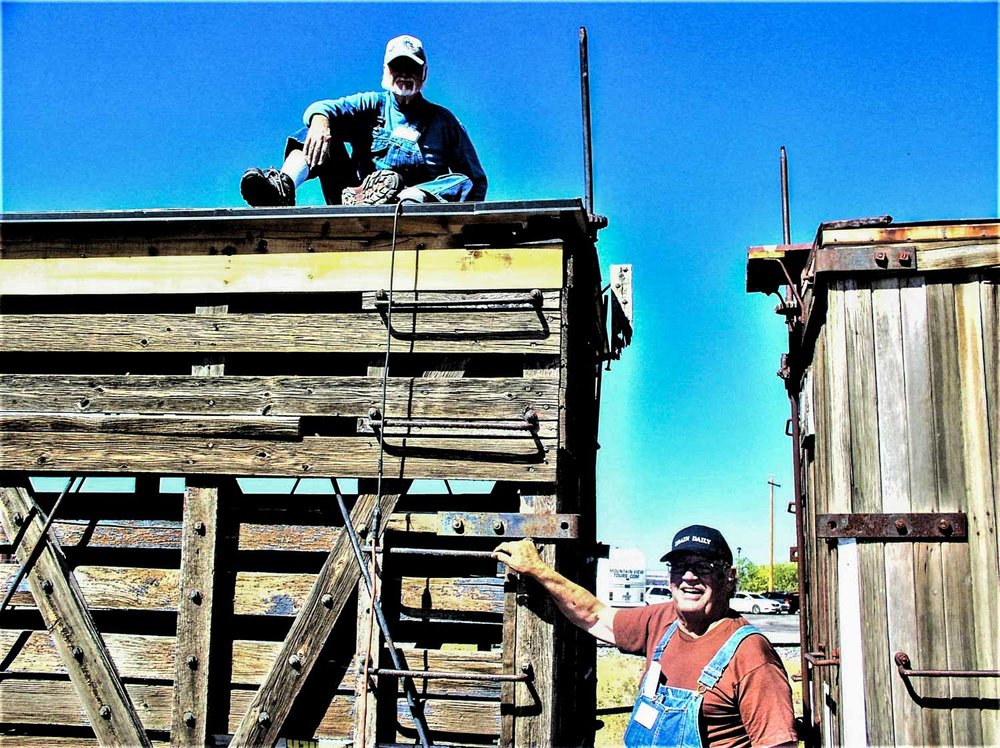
61	604
263	722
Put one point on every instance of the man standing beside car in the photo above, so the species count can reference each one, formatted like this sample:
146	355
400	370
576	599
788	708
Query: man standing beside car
711	678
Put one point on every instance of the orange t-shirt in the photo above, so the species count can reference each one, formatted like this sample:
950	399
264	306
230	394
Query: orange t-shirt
750	705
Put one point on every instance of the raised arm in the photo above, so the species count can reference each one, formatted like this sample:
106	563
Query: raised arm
575	602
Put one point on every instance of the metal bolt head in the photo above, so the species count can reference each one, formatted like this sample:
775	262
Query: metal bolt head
497	525
264	719
944	526
199	527
195	597
47	586
327	601
105	711
18	519
294	662
457	525
76	652
525	667
900	524
189	719
192	662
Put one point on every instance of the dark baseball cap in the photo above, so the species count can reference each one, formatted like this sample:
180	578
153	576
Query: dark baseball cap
700	539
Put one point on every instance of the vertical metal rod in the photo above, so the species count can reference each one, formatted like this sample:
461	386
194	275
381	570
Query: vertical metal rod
36	549
786	225
588	159
416	712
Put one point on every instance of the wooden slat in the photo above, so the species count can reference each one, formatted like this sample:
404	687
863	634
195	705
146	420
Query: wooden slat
959	618
479	718
929	608
867	497
196	613
334	584
248	427
451	597
913	233
349	332
959	257
439	270
505	397
49	702
989	299
92	671
893	443
486	459
980	494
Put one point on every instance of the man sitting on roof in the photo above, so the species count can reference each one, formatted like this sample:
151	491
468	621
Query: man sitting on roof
403	147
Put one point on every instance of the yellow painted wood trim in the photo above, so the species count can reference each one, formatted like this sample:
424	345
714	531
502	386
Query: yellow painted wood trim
439	269
903	233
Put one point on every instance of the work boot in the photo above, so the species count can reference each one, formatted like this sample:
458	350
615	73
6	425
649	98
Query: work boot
377	188
267	189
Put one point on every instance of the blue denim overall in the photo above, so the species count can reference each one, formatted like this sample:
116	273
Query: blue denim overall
669	716
395	149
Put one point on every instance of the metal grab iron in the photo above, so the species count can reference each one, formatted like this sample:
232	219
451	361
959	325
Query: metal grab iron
906	671
377	422
533	299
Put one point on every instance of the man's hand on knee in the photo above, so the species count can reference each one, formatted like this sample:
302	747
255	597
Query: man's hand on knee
317	144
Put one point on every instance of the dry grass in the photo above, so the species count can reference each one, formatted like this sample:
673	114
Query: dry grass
618	680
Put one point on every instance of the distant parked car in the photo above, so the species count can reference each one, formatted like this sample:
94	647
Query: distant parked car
658	595
790	600
751	602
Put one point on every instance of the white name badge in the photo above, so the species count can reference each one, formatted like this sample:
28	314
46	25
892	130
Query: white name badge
405	132
645	715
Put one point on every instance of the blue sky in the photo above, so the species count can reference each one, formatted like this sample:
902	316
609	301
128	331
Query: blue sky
883	107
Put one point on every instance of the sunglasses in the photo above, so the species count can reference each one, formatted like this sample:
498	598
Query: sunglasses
698	566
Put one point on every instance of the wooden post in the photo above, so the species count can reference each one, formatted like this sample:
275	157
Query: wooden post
61	604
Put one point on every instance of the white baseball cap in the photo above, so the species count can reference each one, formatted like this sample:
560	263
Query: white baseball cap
405	46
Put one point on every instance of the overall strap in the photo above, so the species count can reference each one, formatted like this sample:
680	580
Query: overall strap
664	640
713	670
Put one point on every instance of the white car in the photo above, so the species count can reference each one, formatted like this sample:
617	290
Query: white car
751	602
658	595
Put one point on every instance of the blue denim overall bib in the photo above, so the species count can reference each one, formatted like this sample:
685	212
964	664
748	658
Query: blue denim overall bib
669	716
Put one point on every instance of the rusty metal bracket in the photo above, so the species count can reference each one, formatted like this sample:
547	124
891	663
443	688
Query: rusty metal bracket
863	259
904	668
622	309
871	526
819	659
485	524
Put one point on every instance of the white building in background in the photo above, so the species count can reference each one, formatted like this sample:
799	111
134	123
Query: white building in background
621	578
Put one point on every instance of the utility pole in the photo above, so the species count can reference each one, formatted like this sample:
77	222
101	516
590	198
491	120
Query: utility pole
770	568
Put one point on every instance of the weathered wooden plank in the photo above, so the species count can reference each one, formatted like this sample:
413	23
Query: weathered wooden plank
49	702
516	458
480	718
265	718
509	653
439	270
247	427
960	257
453	597
980	494
210	366
866	496
938	232
196	609
893	446
989	300
526	331
929	608
959	618
61	604
506	397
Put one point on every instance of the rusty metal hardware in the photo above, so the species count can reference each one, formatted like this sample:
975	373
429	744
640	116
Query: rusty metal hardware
409	689
904	667
450	675
872	526
843	259
36	549
484	524
377	423
532	299
819	659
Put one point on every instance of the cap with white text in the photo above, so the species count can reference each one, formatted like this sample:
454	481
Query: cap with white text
700	539
405	46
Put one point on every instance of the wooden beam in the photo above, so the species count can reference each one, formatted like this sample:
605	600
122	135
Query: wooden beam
523	458
60	602
525	331
439	270
196	613
334	584
248	427
349	396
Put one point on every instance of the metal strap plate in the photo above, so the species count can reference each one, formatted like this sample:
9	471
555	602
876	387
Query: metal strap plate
485	524
870	526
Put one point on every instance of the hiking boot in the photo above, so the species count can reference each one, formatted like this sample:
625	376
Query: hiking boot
267	189
377	188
